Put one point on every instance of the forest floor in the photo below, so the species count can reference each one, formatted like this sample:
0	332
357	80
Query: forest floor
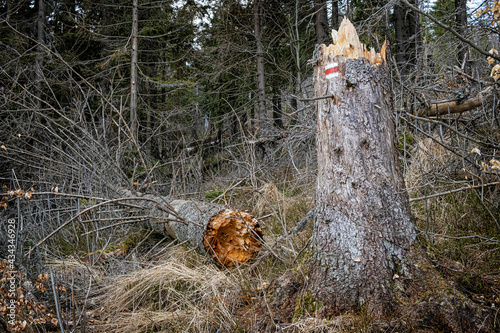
145	282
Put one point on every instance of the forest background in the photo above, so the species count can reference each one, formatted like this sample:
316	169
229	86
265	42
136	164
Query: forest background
211	101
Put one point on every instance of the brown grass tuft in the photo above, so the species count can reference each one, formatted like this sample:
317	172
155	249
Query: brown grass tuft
176	296
428	157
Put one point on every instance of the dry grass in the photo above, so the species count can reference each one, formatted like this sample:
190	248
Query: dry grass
427	158
270	200
184	294
268	195
320	325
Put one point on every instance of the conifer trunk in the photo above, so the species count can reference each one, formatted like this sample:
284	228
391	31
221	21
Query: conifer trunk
461	20
40	50
261	81
229	236
321	21
363	223
133	71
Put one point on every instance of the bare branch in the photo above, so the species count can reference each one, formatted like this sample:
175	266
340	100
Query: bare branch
469	187
456	106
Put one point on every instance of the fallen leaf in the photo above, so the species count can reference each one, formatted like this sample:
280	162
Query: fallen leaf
495	164
476	150
495	72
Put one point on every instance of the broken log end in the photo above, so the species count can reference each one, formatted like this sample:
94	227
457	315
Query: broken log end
232	236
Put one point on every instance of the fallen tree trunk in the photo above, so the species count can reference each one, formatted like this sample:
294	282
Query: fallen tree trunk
447	107
229	236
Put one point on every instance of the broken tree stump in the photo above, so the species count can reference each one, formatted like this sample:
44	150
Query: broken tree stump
229	236
363	224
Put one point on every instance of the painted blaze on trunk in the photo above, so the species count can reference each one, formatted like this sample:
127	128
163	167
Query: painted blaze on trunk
363	225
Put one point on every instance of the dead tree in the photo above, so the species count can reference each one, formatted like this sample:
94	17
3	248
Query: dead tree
450	107
363	223
229	236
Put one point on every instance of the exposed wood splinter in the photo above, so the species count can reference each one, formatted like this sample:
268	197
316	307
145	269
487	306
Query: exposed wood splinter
346	43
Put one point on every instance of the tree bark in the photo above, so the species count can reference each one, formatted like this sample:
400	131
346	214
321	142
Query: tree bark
321	22
133	71
363	223
229	236
461	21
335	14
40	50
399	20
407	35
261	83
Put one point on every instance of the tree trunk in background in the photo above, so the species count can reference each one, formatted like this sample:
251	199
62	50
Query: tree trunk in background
407	35
295	104
399	23
461	21
133	71
321	22
278	121
149	126
40	50
335	14
363	222
414	35
261	83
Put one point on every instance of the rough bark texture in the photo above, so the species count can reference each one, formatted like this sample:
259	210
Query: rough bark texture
363	223
229	236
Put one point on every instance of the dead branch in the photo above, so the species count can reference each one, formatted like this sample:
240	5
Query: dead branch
457	106
469	187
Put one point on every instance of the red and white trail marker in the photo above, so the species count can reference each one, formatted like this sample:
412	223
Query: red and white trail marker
332	70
